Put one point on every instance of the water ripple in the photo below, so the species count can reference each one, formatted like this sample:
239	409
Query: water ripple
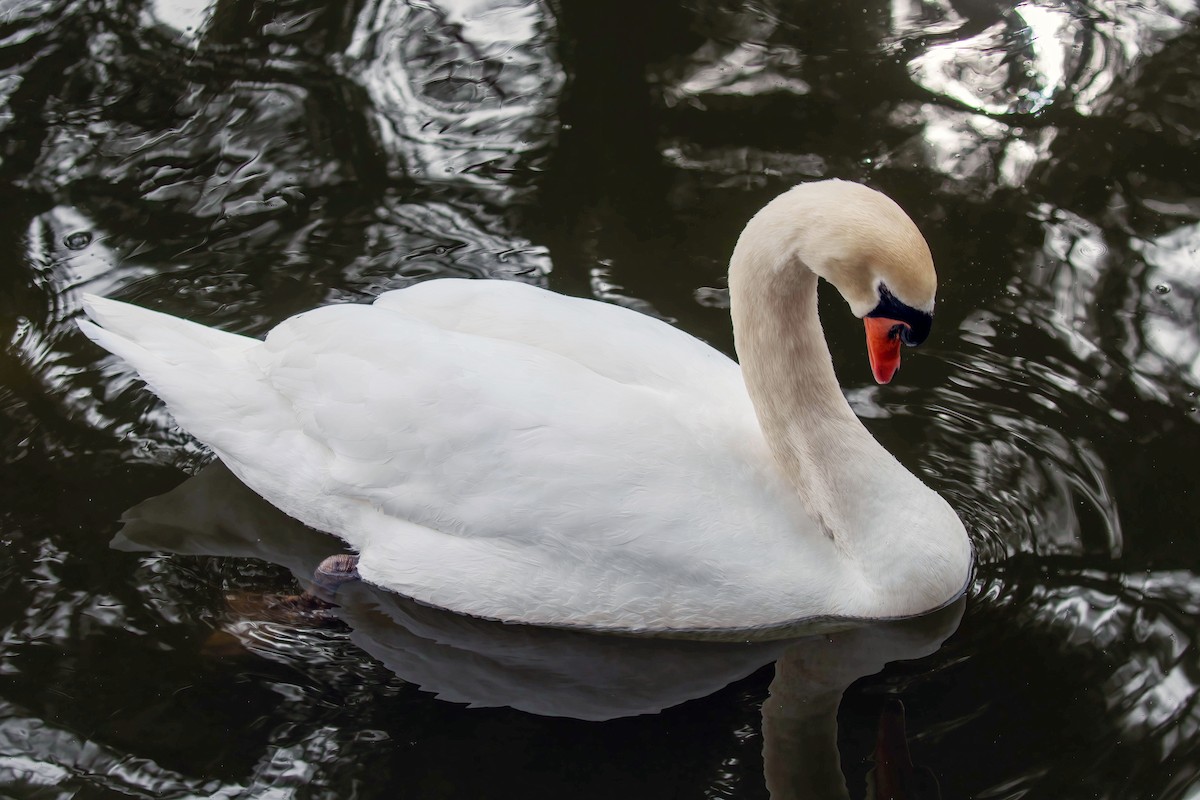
186	18
1164	350
1036	56
1139	328
412	241
462	92
235	163
1023	479
1132	637
743	56
72	256
976	154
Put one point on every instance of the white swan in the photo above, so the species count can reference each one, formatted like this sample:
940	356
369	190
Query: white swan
502	451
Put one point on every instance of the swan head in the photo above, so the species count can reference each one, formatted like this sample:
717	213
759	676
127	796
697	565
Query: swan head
864	244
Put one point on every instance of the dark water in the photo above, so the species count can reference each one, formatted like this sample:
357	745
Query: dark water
236	161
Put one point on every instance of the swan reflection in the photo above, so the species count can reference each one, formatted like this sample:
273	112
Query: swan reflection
544	671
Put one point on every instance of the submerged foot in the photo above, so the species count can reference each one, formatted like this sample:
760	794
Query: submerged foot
312	605
331	574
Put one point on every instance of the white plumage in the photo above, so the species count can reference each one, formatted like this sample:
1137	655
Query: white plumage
507	452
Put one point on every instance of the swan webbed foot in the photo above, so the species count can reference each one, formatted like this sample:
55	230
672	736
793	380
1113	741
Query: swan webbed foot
331	574
314	604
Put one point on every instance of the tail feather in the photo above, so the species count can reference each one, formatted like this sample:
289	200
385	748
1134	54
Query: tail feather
126	349
202	374
217	390
153	330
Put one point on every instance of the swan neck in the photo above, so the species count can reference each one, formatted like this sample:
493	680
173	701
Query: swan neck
813	434
908	545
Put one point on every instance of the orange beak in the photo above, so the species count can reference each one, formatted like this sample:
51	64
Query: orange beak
883	346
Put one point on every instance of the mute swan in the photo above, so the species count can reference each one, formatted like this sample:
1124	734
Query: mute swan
502	451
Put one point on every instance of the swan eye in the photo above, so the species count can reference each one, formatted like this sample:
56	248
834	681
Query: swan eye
911	326
903	332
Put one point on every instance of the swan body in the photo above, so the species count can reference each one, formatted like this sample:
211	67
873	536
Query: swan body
503	451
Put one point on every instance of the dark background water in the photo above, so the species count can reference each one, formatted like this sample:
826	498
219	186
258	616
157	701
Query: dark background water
236	162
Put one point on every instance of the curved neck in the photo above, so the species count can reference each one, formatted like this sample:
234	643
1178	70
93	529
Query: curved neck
817	441
905	541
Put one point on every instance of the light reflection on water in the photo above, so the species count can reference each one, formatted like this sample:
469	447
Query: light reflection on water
462	92
1035	56
1168	344
236	163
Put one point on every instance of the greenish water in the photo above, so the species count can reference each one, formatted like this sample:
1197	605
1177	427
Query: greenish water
236	162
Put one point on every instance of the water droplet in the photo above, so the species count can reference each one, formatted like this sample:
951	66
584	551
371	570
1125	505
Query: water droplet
77	240
1162	288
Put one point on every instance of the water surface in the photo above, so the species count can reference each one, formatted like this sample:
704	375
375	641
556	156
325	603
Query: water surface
237	162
